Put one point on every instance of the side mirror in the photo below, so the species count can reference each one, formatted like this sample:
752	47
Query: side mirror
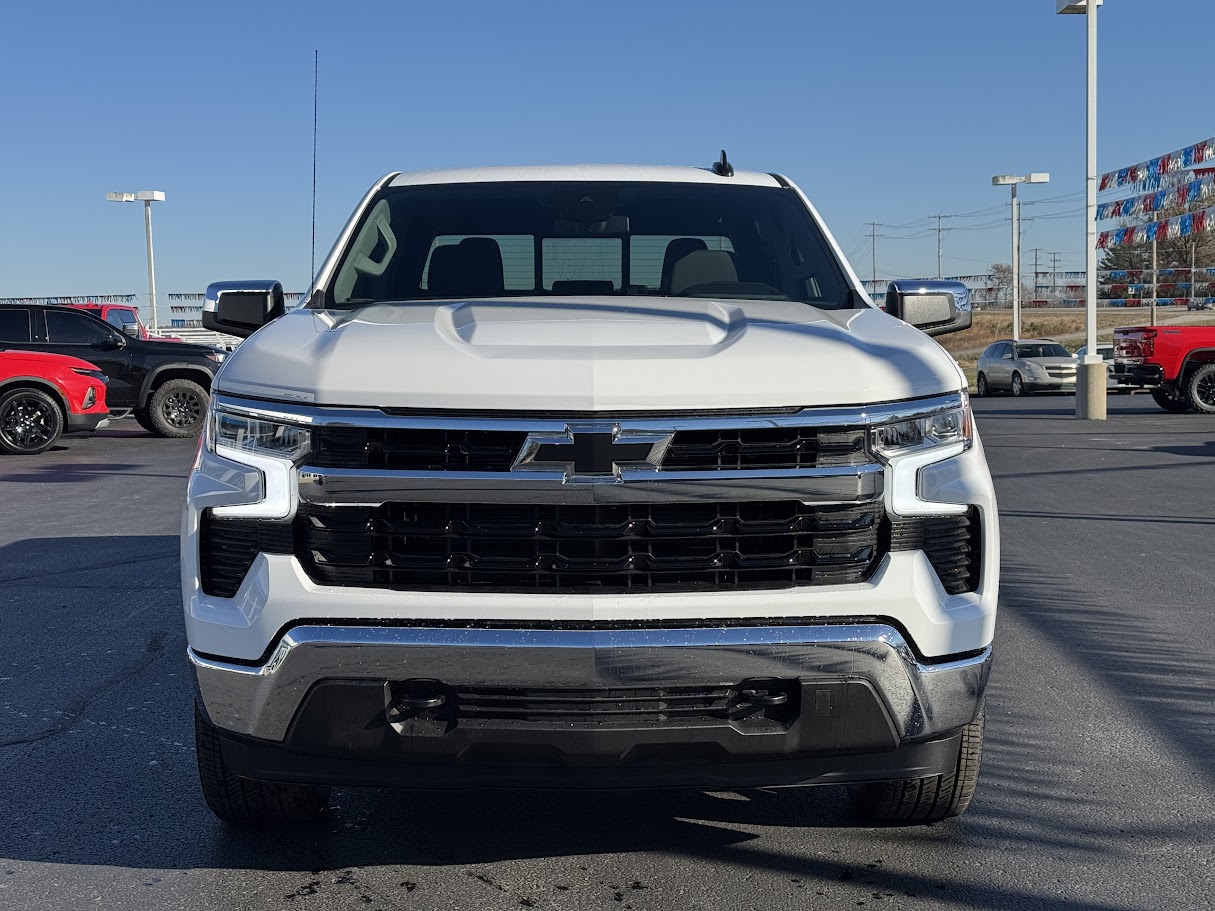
112	342
936	307
131	329
241	308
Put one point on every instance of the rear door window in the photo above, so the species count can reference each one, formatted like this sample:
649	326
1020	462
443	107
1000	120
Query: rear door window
63	327
15	326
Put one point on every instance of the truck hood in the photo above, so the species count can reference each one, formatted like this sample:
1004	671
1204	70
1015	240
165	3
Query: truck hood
588	354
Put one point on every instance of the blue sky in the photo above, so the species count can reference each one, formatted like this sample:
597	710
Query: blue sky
882	110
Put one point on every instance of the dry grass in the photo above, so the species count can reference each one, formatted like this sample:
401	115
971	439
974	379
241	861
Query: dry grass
989	326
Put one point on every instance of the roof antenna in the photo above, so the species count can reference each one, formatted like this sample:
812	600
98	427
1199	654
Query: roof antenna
723	168
316	69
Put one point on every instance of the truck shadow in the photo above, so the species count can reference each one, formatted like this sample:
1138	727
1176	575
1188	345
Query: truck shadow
113	782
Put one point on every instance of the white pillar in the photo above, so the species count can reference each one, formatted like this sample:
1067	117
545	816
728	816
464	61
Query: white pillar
1016	266
1091	378
147	226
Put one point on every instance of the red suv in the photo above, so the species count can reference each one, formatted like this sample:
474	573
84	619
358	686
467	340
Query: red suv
45	395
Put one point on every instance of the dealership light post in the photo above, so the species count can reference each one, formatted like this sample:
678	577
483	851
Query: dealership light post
1091	378
1012	180
147	197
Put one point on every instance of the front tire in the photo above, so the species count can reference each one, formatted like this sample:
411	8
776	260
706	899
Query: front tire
178	408
1018	385
1201	389
30	422
144	420
236	799
921	801
982	390
1170	398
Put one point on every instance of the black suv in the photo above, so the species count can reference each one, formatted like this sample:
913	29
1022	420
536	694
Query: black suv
165	384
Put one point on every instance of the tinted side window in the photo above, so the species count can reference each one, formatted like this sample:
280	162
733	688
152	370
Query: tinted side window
66	328
15	326
1005	350
990	351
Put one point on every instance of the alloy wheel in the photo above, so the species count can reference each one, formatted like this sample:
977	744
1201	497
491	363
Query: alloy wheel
183	409
26	423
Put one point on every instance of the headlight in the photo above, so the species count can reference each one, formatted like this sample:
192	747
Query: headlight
226	430
946	427
217	356
95	374
273	448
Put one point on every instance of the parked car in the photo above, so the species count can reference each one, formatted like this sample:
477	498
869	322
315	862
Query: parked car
1024	367
164	385
1107	355
586	477
1176	362
45	395
1199	303
125	318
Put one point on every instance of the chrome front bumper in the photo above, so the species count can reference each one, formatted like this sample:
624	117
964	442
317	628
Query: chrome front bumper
923	700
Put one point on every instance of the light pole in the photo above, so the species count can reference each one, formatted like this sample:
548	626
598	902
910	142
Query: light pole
1091	378
1012	180
147	197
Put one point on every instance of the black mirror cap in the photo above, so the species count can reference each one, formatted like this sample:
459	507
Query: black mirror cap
112	342
241	308
932	306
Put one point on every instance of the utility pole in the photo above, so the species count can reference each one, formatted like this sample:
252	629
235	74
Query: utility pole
938	218
1054	274
873	247
1036	251
1155	291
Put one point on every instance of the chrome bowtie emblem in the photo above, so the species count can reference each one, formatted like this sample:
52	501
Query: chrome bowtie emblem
594	452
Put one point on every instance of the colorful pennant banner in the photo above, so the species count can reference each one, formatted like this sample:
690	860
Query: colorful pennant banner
1177	226
71	299
1165	164
1183	195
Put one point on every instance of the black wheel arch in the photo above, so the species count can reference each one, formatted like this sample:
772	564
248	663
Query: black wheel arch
42	384
166	372
1199	357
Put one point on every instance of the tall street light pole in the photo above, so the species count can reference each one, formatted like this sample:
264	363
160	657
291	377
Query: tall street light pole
1012	180
1091	377
147	197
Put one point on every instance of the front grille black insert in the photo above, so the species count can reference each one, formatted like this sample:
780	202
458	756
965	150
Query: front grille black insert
403	449
764	448
227	548
953	545
635	547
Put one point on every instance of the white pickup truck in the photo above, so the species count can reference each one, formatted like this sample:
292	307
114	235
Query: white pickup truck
589	477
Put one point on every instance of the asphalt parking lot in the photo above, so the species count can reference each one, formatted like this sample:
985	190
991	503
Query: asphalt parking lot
1098	788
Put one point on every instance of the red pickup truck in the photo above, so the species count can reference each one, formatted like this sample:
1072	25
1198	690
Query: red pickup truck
123	317
1178	362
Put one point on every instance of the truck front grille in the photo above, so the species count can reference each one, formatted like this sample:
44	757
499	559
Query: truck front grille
407	449
619	548
627	706
634	547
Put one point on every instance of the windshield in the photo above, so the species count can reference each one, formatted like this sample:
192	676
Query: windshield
1049	349
570	238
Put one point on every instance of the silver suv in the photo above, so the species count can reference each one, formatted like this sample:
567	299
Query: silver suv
1026	366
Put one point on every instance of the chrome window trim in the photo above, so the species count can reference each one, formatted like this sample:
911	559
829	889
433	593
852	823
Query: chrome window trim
833	416
844	485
